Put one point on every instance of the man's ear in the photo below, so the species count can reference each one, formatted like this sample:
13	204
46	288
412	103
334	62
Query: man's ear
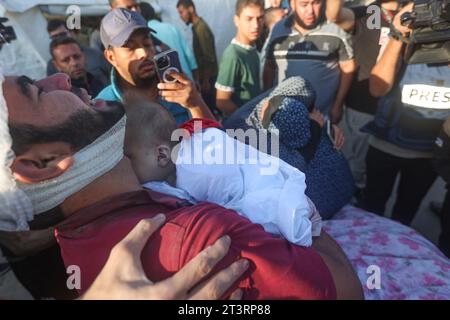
236	21
43	162
55	65
109	56
163	153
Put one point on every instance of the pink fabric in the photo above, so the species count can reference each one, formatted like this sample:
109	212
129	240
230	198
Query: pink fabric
411	266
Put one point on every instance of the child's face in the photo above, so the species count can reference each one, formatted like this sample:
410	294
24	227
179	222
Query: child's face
152	164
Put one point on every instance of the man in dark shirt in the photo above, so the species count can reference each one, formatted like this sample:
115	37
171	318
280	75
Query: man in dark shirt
204	49
68	58
368	45
95	61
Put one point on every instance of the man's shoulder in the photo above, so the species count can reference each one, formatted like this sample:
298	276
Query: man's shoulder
230	52
283	27
281	32
331	29
108	94
180	113
154	24
144	204
202	26
162	26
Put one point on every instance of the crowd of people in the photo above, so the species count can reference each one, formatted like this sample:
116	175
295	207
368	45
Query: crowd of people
93	148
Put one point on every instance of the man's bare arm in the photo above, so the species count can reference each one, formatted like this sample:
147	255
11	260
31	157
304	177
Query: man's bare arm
224	102
347	283
383	75
343	17
347	71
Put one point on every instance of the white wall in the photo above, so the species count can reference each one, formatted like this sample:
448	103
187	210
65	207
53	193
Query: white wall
27	55
30	52
217	13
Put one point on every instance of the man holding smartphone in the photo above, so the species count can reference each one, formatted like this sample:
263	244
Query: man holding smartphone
130	50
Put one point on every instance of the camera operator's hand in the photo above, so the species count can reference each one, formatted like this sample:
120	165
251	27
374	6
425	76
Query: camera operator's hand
185	93
404	30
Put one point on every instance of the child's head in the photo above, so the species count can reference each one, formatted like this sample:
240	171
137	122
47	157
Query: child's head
148	140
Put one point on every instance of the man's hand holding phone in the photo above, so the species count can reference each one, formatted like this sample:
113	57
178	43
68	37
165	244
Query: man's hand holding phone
183	91
175	87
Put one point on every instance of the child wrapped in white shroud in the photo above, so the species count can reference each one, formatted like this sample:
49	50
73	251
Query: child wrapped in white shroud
214	167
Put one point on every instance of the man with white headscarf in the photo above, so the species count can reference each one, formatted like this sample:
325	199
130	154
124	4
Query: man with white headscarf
69	154
17	211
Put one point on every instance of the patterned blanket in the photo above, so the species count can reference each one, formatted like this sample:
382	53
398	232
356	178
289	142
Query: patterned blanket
409	266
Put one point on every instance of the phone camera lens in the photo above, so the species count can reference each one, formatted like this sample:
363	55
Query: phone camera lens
163	62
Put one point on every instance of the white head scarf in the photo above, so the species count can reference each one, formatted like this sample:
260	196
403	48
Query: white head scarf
19	202
90	163
15	207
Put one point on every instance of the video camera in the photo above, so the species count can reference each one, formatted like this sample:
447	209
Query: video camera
429	42
7	34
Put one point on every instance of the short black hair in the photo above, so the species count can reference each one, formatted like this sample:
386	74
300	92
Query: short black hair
148	124
59	41
241	4
147	11
54	24
186	3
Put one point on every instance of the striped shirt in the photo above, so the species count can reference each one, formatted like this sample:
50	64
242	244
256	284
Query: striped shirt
314	55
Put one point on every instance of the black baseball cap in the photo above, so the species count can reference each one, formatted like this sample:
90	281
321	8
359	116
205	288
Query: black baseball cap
119	24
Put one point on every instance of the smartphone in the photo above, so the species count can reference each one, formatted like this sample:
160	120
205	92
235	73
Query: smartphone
167	62
330	131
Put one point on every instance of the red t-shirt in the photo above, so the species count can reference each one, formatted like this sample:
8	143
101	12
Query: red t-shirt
199	124
278	270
